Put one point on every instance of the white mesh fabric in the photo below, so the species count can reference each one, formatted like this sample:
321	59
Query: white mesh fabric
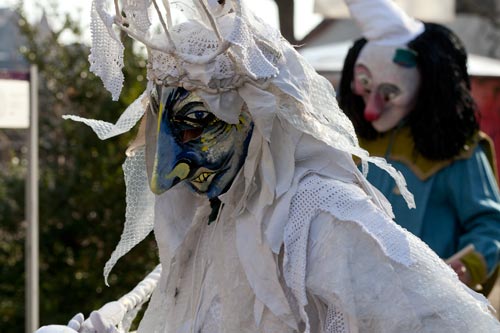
253	52
127	120
249	54
194	38
224	68
140	200
347	202
106	53
162	65
139	216
371	274
138	12
384	296
336	321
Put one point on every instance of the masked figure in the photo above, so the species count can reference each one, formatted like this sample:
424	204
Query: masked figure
263	221
192	144
406	89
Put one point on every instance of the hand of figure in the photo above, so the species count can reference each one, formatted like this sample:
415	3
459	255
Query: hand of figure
462	271
104	320
55	329
72	327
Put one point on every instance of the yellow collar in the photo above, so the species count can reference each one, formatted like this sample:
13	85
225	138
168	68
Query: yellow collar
398	145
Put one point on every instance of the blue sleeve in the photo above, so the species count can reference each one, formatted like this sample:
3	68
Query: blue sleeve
474	192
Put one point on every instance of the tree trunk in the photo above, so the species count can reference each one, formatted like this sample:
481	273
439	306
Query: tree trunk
285	11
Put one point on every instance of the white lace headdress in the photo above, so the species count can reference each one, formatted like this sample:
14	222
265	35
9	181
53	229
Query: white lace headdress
230	57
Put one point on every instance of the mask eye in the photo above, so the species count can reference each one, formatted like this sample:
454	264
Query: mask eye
389	92
364	80
363	83
197	115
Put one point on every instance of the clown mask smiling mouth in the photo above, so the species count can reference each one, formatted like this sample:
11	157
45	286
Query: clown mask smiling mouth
188	143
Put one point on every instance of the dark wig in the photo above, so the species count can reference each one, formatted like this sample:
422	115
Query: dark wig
445	115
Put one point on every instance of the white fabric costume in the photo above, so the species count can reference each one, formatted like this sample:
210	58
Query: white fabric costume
302	242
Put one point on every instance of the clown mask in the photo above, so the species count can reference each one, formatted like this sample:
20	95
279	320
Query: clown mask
387	79
186	142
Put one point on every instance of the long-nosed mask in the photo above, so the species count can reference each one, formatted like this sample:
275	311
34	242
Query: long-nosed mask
187	142
388	86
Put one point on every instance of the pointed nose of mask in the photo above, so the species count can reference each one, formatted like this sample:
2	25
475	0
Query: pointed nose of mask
165	166
166	175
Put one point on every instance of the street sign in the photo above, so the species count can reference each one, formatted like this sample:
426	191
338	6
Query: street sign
14	103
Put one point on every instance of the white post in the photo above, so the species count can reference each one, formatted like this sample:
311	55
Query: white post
31	255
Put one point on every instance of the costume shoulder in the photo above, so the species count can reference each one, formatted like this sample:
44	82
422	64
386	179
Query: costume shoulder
382	278
398	145
348	202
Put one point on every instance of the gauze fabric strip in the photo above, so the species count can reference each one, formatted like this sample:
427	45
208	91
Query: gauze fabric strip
139	215
259	264
253	60
127	120
106	53
256	257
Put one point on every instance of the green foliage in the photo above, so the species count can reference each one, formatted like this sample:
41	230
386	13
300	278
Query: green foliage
82	193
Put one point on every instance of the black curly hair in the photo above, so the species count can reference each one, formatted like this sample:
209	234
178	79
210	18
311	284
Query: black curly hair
445	115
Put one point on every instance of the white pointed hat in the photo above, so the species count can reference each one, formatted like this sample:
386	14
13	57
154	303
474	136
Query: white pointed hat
384	22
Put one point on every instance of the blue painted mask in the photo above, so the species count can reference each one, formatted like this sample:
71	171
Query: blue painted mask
187	142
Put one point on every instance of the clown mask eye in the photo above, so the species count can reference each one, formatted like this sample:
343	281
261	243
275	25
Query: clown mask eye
389	91
363	82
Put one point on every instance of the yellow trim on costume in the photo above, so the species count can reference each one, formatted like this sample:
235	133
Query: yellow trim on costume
476	265
489	149
402	149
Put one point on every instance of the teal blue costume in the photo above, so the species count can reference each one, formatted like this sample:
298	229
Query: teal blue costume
458	201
